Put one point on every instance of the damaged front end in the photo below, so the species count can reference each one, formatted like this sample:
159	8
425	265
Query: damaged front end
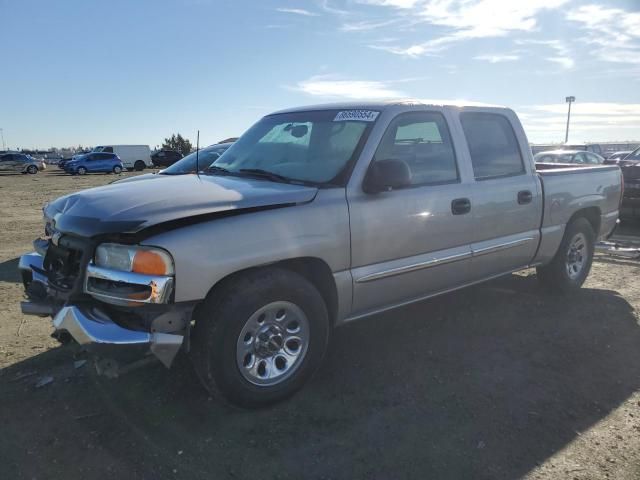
100	306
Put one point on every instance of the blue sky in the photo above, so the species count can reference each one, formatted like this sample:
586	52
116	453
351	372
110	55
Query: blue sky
90	72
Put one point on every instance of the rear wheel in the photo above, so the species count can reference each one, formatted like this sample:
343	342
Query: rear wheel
260	337
571	265
139	166
117	169
32	169
82	171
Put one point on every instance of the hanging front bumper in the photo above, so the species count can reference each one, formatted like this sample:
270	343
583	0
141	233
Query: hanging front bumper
92	326
89	324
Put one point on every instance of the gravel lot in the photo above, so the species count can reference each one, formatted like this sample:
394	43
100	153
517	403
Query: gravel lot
498	381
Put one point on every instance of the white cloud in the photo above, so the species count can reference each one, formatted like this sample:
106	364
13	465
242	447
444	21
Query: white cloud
613	32
391	3
471	19
486	18
601	121
564	62
590	108
427	48
561	53
298	11
332	87
366	25
497	58
598	17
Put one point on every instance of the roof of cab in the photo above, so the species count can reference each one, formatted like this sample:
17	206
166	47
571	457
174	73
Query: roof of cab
384	104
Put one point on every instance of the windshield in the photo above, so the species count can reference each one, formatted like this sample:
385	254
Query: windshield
98	148
205	157
635	155
316	147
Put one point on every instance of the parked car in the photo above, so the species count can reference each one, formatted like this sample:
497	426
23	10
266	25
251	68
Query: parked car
203	158
165	158
61	163
614	158
314	218
630	167
52	158
65	160
93	163
19	162
569	156
134	157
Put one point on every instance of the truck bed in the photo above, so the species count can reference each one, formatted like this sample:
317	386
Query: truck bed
568	188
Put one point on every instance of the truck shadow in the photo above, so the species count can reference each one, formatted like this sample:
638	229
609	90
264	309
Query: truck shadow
9	271
482	383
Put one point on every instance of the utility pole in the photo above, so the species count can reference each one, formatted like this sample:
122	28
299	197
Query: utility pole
4	145
569	100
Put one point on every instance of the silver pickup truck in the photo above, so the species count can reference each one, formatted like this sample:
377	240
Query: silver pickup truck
315	217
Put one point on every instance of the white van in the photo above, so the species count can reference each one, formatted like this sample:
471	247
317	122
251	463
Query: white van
134	157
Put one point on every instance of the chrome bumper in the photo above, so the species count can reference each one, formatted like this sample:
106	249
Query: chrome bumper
29	260
89	325
92	326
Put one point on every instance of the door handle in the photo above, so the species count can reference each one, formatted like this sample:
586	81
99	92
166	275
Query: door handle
460	206
524	197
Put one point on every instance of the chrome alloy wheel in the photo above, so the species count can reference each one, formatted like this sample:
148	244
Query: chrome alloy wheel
272	343
577	255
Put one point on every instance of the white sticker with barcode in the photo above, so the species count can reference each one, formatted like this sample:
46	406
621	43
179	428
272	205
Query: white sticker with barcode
356	115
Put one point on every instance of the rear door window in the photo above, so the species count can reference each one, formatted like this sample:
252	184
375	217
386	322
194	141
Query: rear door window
493	145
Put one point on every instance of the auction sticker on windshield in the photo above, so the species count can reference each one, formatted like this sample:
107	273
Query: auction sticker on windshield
358	115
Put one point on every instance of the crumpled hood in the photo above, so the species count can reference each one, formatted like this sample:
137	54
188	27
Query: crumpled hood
131	207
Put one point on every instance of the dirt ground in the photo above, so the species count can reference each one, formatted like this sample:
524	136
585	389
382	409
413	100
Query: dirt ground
498	381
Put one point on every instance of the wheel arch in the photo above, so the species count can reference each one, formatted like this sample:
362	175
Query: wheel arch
314	269
592	215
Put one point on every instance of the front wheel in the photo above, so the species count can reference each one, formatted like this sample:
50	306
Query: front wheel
260	337
571	265
32	169
82	171
117	169
139	165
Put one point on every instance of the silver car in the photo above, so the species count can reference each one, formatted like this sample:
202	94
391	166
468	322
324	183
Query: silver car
579	157
19	162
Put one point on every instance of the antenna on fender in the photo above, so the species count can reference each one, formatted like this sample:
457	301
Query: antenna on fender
197	155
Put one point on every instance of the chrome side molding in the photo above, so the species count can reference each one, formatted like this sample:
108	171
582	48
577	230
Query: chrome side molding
436	261
413	267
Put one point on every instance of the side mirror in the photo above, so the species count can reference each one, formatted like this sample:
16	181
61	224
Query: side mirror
384	175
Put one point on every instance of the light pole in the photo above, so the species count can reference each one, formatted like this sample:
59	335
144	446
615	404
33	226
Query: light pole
569	100
4	146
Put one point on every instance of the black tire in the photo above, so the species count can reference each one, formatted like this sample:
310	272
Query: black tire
81	171
222	318
555	277
117	169
139	166
32	169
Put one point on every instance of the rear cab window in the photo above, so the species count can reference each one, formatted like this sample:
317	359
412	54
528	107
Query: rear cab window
493	146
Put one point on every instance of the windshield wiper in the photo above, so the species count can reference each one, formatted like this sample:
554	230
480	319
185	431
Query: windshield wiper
217	169
258	172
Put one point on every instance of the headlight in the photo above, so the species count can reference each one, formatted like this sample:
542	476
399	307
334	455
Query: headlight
133	258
